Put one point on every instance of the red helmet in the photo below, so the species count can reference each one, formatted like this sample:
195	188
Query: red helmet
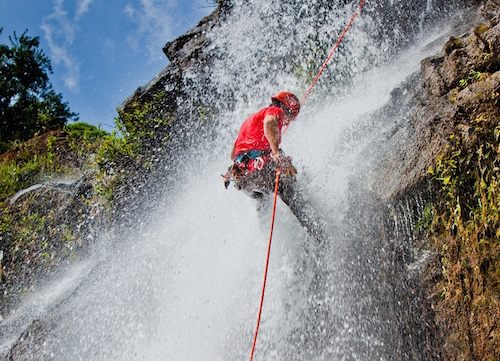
290	101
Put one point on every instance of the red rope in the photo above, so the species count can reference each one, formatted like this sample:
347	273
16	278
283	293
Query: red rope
267	263
278	177
329	56
333	50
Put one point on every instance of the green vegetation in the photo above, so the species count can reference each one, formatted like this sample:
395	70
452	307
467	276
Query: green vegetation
84	131
143	128
29	168
28	104
473	77
465	227
44	228
144	125
29	231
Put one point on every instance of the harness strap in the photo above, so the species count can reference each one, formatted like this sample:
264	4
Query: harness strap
244	164
249	155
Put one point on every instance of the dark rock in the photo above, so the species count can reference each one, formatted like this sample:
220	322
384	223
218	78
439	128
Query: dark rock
70	222
184	52
491	10
478	52
33	336
459	86
427	109
432	82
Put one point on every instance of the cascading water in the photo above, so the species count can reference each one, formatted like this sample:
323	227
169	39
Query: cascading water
186	285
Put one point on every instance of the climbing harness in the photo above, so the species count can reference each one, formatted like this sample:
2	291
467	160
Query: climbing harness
248	162
278	173
267	262
245	164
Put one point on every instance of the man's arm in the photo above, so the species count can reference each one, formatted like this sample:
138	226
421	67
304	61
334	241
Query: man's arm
232	152
271	131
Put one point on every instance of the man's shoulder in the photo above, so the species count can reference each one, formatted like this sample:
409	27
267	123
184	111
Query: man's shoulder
273	110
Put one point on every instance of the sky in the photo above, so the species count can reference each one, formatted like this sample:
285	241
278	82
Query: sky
101	51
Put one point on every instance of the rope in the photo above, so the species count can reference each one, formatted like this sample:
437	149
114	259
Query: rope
333	50
278	175
267	263
329	56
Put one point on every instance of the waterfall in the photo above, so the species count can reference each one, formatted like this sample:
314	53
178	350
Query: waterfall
186	284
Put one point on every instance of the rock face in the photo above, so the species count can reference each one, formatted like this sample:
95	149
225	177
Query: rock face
185	52
50	222
54	222
439	111
433	103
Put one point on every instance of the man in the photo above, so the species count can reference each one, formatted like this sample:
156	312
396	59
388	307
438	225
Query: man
256	155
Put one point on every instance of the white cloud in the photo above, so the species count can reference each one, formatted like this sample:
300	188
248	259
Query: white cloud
154	24
60	33
82	7
65	27
60	54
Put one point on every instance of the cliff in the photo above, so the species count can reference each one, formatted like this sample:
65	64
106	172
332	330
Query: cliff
443	214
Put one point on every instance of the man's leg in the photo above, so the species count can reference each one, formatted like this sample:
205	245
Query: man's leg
260	185
308	217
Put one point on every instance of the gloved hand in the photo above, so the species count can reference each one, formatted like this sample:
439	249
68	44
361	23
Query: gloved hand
285	163
280	159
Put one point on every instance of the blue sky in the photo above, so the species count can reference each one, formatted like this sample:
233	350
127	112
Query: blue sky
101	50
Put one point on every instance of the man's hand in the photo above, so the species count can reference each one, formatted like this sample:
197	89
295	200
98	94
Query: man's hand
279	158
285	163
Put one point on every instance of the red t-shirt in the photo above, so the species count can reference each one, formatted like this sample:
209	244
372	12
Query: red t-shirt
251	135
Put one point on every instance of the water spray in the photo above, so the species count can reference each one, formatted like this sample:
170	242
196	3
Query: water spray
278	175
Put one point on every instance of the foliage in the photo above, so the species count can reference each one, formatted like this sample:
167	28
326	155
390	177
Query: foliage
30	169
142	128
36	162
473	76
466	229
144	125
14	177
37	236
84	131
112	155
28	104
43	228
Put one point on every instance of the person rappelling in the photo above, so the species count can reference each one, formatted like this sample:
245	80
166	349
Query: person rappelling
257	156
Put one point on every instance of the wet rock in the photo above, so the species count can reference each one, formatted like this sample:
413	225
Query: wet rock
433	84
49	224
491	10
459	88
461	59
22	348
185	52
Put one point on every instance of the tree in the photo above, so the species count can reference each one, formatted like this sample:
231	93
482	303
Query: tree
28	104
81	130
